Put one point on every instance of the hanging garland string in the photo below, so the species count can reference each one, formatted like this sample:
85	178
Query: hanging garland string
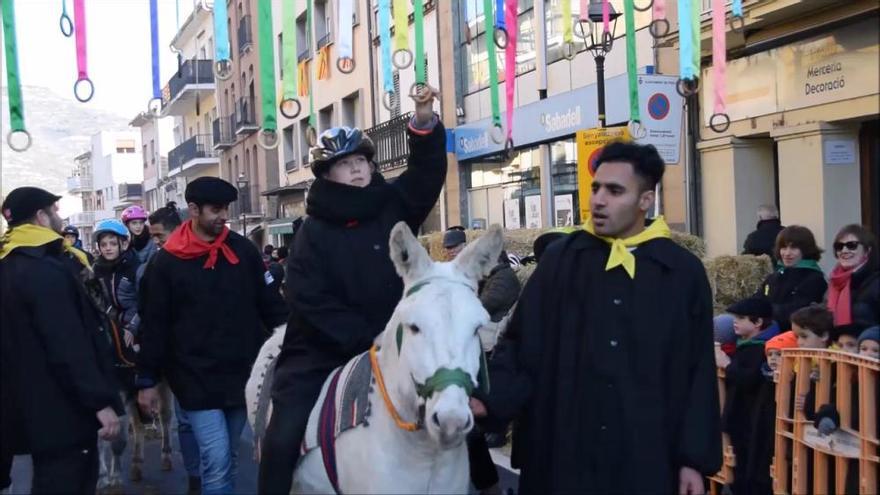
79	29
568	48
659	26
419	32
154	106
402	57
64	22
290	106
268	137
499	35
496	133
345	58
510	69
13	80
385	45
737	22
688	51
222	65
637	130
720	121
311	131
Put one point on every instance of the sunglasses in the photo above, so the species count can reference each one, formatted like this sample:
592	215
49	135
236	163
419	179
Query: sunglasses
851	245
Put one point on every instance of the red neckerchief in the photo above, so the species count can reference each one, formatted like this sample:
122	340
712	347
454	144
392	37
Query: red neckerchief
185	244
840	295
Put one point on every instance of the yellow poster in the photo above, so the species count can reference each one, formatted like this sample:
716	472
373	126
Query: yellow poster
589	144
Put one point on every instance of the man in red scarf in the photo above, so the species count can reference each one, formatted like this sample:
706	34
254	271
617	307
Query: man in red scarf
209	305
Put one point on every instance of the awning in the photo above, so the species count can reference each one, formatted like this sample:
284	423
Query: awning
282	226
280	191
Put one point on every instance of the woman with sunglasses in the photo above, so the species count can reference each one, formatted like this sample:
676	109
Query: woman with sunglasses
854	291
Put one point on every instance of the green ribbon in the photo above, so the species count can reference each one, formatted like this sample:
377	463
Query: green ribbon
267	64
493	63
442	378
289	55
695	35
629	18
16	108
419	31
312	119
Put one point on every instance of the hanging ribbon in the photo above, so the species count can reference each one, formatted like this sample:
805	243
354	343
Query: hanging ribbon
290	106
607	35
345	58
720	121
13	81
568	48
637	130
659	26
688	51
79	28
583	26
419	31
64	22
311	131
737	22
497	132
222	65
154	106
499	35
510	70
268	137
303	78
402	57
324	62
385	45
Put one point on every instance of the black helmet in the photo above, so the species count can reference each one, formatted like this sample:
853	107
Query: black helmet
70	230
338	142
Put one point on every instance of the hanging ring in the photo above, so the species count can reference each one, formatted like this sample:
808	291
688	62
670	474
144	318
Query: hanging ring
288	103
569	51
386	100
607	41
273	140
311	136
91	89
223	69
637	129
154	107
402	59
27	143
719	122
173	48
66	25
687	87
582	29
508	148
417	95
345	65
500	36
737	23
497	133
207	7
645	8
658	28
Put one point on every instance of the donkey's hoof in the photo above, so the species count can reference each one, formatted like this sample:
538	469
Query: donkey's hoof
166	462
135	473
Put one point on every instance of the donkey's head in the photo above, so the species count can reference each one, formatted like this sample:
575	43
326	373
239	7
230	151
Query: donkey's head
434	331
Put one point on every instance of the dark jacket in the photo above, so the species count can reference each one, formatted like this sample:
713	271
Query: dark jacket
118	287
499	291
341	285
202	328
606	376
865	297
762	438
791	289
56	368
763	239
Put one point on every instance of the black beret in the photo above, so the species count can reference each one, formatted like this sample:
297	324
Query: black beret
22	203
756	307
210	190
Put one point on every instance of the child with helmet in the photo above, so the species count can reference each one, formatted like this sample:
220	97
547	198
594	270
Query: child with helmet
135	219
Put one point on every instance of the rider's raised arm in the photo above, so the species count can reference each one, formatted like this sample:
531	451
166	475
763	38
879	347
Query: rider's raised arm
420	185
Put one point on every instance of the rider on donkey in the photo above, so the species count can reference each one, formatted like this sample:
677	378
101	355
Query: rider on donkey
342	287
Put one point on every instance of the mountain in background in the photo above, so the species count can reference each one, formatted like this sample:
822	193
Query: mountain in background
61	129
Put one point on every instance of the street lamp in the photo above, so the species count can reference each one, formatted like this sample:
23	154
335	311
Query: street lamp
599	45
243	198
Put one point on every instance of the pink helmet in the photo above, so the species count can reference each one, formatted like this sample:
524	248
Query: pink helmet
133	212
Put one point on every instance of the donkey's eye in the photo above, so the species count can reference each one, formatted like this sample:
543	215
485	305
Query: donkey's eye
414	329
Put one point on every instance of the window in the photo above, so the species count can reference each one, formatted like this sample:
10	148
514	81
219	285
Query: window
280	56
349	115
325	118
229	30
290	161
144	152
304	141
247	159
152	151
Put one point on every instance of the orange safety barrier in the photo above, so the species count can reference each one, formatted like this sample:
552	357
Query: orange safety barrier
725	475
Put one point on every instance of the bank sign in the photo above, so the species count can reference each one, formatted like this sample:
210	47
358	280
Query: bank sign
565	114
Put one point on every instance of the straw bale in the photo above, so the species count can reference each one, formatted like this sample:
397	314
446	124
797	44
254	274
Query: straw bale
734	278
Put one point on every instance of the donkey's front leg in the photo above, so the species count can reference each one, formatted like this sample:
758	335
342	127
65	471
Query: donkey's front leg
165	404
136	473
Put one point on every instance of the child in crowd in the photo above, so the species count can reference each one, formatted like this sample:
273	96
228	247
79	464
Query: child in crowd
846	337
753	324
869	343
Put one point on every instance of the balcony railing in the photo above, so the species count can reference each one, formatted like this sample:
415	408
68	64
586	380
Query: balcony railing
325	40
79	183
198	146
191	72
223	132
131	192
245	34
390	140
82	219
248	202
246	116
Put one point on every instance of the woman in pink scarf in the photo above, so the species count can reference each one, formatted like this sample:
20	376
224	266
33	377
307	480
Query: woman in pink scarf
854	285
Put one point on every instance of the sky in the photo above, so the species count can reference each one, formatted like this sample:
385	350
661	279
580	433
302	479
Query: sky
118	49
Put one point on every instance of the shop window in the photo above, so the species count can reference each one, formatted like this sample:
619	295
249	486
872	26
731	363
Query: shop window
475	56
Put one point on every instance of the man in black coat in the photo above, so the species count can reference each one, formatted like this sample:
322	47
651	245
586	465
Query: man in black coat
57	389
208	306
341	284
607	365
763	238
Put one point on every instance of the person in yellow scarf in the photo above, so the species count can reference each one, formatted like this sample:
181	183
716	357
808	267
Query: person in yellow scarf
608	362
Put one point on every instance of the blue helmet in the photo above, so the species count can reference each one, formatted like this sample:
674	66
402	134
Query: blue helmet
339	142
112	226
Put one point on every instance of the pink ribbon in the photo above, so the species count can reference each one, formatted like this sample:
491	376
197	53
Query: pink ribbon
659	9
606	17
719	55
510	20
585	10
79	20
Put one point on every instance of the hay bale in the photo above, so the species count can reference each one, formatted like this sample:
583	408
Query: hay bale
734	278
692	243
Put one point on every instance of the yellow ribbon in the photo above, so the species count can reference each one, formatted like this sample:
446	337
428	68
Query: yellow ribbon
620	254
303	78
324	63
30	235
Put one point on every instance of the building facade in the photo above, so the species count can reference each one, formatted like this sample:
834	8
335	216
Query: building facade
156	141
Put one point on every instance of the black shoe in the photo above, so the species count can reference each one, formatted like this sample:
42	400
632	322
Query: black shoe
195	486
495	440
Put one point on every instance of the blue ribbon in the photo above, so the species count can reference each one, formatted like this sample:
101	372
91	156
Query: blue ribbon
737	8
686	48
499	15
385	44
154	46
221	34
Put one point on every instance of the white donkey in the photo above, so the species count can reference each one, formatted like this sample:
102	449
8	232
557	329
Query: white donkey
422	370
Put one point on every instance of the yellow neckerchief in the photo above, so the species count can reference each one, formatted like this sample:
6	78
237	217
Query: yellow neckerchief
620	255
30	235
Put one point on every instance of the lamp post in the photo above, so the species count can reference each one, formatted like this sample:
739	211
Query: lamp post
242	183
600	45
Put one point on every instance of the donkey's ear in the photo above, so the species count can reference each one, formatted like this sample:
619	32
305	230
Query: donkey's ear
409	257
481	256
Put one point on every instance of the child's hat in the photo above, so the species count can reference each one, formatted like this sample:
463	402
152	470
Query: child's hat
755	306
785	340
872	333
